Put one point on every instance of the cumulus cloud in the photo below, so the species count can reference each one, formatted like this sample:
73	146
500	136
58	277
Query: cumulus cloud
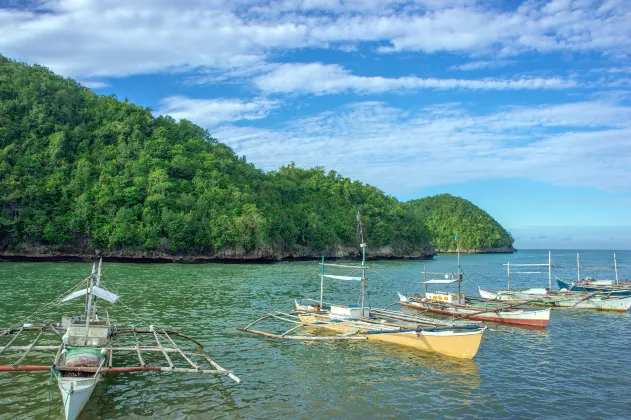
584	144
322	79
211	112
119	38
479	65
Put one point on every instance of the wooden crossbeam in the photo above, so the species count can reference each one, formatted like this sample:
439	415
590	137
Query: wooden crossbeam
142	362
11	342
195	366
162	348
29	348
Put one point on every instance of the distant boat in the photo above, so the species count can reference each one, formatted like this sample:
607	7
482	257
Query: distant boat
561	299
460	307
87	343
358	322
589	284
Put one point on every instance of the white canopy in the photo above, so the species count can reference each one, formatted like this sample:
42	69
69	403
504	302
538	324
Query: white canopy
96	291
441	281
342	277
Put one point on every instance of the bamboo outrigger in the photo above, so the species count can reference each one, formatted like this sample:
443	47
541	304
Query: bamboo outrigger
87	347
347	322
599	300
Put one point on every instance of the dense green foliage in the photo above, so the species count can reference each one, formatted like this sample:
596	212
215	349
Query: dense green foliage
77	169
446	215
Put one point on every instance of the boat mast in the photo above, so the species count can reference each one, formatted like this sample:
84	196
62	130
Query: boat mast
459	274
578	267
98	284
425	279
549	271
615	267
508	274
363	247
322	283
89	306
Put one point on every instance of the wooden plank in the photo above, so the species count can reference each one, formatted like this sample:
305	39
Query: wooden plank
29	348
11	342
142	362
195	366
305	337
162	348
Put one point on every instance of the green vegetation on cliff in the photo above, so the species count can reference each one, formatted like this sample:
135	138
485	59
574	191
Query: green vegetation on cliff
81	170
446	215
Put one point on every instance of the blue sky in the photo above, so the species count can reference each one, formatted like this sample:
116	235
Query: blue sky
524	108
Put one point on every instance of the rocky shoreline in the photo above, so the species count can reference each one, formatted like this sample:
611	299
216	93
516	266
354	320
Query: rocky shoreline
263	254
502	250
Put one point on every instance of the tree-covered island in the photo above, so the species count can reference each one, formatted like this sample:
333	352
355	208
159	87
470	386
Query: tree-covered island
83	174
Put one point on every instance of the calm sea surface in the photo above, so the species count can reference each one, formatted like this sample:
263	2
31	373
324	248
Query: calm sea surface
579	367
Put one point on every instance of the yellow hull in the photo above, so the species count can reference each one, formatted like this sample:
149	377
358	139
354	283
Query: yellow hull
460	344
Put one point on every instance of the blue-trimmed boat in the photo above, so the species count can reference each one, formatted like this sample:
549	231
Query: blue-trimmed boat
589	284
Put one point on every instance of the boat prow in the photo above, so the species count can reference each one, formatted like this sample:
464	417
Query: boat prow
75	393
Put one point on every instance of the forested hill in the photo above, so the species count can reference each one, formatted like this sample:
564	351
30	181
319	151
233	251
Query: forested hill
82	174
445	216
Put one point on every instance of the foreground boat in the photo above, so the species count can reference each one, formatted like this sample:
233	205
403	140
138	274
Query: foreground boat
558	299
86	345
348	322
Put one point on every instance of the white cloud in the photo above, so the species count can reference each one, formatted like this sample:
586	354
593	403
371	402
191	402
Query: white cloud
584	144
322	79
211	112
94	84
118	38
479	65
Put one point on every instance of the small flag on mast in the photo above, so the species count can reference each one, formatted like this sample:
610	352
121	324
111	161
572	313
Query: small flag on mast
456	238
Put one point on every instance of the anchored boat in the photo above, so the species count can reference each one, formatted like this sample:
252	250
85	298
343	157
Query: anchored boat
86	346
458	306
358	322
589	284
560	298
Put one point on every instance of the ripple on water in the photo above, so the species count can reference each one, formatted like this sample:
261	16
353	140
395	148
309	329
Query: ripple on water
576	368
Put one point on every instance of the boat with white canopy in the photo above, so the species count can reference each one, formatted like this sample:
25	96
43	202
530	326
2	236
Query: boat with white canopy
359	322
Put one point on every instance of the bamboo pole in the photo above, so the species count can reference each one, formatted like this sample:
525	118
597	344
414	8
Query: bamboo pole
58	355
162	348
28	350
12	340
195	366
46	368
52	327
142	362
214	364
110	357
304	338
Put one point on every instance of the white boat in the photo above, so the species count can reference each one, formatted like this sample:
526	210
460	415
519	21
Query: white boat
87	344
559	298
563	299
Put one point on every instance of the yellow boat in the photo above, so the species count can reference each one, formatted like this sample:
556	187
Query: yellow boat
453	339
462	341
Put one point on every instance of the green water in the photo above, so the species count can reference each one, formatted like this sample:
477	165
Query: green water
577	368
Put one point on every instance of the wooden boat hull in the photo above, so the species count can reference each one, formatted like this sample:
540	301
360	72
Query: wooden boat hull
459	344
533	318
75	393
604	287
574	300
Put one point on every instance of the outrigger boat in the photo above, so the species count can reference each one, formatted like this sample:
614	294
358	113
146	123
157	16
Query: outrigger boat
458	306
86	346
560	298
589	284
348	322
